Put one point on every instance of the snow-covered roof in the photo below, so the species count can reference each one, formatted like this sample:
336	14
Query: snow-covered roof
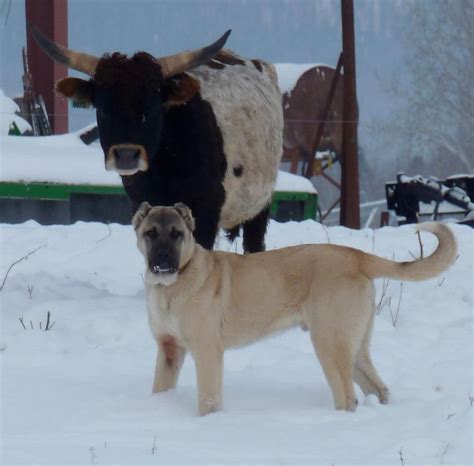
66	159
55	159
294	183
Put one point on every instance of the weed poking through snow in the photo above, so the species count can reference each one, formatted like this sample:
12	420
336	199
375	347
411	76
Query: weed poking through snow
401	456
46	327
93	456
21	259
394	314
383	297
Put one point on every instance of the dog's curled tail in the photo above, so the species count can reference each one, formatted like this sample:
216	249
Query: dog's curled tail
422	269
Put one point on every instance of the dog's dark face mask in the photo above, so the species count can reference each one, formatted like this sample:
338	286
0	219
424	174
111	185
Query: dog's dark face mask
163	234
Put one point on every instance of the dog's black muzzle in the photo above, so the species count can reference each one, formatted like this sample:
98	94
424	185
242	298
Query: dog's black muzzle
163	262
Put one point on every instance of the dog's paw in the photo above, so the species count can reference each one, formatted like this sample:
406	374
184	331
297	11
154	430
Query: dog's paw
348	404
209	406
383	395
351	404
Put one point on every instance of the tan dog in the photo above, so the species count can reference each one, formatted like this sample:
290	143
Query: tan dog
206	301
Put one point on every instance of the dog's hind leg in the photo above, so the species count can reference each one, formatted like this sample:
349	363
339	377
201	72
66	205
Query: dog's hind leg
365	374
337	362
337	325
169	361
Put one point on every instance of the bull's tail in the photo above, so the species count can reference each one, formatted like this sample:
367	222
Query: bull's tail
423	269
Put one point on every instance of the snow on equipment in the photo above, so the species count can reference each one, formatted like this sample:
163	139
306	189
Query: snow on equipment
32	106
453	196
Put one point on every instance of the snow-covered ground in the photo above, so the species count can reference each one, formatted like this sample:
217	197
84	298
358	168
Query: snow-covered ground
80	393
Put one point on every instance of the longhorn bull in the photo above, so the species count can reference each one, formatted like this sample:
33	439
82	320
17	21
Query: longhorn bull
202	127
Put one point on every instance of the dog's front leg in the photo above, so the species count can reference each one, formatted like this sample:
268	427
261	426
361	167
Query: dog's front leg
169	361
209	362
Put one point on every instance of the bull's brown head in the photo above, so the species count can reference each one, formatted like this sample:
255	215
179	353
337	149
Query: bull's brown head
130	95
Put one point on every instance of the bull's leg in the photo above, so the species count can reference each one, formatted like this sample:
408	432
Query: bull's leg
254	232
232	233
207	221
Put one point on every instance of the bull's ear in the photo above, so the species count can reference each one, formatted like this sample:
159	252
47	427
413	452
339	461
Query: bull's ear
78	90
181	89
185	212
140	214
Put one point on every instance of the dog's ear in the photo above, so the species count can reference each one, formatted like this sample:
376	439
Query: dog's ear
140	214
185	212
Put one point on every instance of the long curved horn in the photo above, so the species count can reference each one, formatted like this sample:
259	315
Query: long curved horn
76	60
184	61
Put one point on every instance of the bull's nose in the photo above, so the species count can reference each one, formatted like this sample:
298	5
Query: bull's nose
126	158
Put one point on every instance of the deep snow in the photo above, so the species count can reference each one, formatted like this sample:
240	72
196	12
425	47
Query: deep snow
80	393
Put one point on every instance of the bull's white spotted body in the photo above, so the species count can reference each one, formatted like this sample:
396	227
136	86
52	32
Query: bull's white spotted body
247	106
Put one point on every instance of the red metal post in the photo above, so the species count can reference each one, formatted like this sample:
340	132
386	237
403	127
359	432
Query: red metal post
50	17
350	209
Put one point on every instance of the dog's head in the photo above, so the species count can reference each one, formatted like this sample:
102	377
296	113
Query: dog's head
165	238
